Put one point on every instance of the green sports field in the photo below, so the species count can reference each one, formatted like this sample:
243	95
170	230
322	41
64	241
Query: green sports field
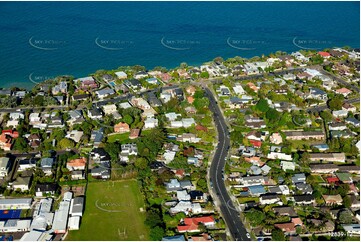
113	211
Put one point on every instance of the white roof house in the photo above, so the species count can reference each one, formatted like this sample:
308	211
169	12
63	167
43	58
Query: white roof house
4	166
121	75
109	109
187	122
186	207
77	206
61	217
35	235
287	165
169	156
74	223
75	135
340	113
238	89
183	195
172	116
125	105
176	124
68	196
150	123
281	156
15	225
15	203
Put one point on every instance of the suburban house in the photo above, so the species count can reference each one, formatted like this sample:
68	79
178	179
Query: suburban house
22	183
121	75
46	165
109	109
323	168
5	166
287	165
75	135
343	91
86	83
340	113
97	136
129	149
331	200
25	164
150	123
306	199
266	199
5	142
328	157
44	189
278	155
76	164
103	93
304	135
95	113
188	137
121	128
191	224
275	138
316	93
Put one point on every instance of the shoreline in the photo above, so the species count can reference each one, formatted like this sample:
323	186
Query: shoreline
30	84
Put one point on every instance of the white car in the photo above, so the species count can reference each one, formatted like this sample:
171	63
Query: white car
248	235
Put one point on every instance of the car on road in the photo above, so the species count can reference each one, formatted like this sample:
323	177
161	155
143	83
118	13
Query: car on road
248	235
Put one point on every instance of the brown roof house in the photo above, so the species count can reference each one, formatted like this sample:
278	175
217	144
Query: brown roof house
121	128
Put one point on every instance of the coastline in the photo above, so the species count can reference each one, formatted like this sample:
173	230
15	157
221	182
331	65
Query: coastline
29	84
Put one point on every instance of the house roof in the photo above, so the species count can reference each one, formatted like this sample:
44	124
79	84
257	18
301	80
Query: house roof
324	54
192	223
77	162
286	227
343	90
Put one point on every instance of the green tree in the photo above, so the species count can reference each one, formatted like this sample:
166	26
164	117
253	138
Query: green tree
262	105
345	217
128	119
141	163
156	233
336	102
272	115
202	184
278	235
66	143
204	74
153	217
113	149
20	144
39	101
347	201
326	115
201	103
255	217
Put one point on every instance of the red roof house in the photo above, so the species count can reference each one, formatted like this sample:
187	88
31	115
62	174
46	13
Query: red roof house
191	224
324	54
256	143
11	133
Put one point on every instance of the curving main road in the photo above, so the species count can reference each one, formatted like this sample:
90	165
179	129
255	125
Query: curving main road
228	210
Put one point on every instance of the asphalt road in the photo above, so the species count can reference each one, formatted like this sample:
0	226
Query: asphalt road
229	212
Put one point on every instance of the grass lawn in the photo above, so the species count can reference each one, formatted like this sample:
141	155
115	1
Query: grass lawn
112	212
118	137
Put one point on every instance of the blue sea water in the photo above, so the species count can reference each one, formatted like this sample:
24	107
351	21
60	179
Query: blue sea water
46	39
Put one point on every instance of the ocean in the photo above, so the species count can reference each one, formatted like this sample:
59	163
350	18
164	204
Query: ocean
40	40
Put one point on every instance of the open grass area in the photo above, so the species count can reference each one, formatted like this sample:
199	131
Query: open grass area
118	137
112	212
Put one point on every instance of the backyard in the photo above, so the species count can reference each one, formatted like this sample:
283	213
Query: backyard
113	211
